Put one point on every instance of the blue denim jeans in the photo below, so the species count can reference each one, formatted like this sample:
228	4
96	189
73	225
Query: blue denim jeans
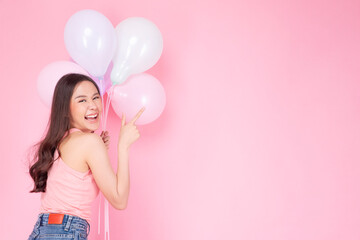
72	227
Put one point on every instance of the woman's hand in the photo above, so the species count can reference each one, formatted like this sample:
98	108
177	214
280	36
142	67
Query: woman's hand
106	138
128	132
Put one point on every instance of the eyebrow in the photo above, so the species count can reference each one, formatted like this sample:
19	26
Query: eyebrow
85	96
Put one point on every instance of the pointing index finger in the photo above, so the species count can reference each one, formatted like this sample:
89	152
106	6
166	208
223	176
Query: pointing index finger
138	115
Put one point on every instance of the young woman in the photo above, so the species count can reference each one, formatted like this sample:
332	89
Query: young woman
71	163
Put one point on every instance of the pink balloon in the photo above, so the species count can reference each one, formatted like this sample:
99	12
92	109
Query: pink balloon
50	75
140	90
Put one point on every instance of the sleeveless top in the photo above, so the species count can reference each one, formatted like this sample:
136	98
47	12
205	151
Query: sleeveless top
68	191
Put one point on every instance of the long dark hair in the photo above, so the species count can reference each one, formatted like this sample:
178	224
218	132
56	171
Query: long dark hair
58	126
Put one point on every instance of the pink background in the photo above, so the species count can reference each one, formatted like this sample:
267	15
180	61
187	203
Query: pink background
260	135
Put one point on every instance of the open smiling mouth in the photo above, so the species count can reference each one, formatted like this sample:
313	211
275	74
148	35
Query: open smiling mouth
92	117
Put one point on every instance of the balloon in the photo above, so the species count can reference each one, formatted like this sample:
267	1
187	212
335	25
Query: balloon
139	47
107	84
50	75
140	90
90	39
106	79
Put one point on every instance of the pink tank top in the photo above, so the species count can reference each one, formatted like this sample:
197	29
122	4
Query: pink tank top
68	191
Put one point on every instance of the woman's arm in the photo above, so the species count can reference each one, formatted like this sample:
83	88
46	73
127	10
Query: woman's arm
114	187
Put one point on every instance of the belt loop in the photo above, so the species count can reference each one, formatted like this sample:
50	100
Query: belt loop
68	222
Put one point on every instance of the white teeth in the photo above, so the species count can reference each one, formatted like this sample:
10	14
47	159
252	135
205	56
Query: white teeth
91	116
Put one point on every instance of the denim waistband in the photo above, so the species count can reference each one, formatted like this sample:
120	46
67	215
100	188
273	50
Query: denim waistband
68	221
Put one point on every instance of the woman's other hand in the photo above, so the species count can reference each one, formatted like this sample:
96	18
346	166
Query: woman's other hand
106	138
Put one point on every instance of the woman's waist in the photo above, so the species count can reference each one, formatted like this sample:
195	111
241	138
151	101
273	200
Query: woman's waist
82	211
67	220
64	197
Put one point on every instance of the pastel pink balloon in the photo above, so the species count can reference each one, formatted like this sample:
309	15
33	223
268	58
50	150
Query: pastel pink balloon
140	90
50	75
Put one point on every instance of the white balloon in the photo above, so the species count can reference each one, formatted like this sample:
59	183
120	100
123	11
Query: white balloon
90	39
139	47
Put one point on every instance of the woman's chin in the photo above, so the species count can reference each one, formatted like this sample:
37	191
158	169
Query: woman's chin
93	129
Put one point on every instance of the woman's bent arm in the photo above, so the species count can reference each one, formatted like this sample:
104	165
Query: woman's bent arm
115	187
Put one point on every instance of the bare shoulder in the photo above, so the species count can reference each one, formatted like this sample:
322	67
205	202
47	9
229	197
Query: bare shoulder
88	141
78	146
92	148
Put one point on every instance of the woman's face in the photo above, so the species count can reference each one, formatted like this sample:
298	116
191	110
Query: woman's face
85	107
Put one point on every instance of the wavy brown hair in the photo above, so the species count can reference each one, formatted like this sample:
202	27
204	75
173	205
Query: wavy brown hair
58	126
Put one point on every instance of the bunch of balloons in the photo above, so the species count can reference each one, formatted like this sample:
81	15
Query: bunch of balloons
116	59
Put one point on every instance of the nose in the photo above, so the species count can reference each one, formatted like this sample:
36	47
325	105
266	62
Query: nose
92	105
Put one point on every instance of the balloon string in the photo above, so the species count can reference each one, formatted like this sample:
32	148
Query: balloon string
103	128
103	125
103	122
99	215
106	108
106	225
104	115
106	203
108	100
